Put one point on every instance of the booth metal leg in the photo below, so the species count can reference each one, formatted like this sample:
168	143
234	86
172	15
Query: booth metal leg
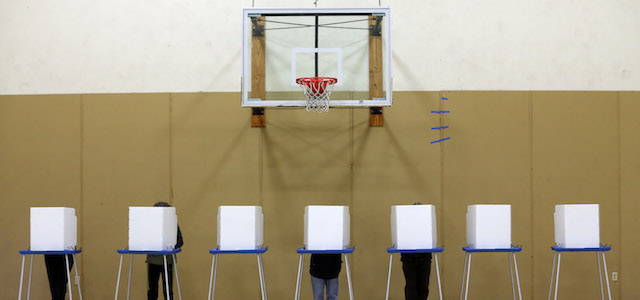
130	271
515	264
21	277
555	297
553	270
166	277
435	256
118	281
75	265
600	275
215	277
66	261
464	274
513	284
606	274
299	280
389	275
213	260
346	260
263	285
30	272
175	268
466	292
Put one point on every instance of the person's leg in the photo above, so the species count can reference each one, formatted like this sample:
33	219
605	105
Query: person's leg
410	276
57	276
332	288
153	272
317	285
423	270
164	286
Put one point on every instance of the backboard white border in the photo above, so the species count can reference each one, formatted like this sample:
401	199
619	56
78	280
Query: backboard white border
246	65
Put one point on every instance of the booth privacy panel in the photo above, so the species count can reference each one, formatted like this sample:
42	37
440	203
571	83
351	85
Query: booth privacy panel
53	228
152	228
240	227
414	227
489	226
326	227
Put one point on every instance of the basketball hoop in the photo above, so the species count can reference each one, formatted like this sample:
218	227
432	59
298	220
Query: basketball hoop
317	90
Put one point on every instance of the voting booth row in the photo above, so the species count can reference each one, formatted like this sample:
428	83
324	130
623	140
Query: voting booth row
153	230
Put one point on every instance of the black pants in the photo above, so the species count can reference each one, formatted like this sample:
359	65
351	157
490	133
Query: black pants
57	273
154	272
416	273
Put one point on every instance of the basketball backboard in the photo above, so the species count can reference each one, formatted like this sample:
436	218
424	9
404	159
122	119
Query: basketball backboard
281	45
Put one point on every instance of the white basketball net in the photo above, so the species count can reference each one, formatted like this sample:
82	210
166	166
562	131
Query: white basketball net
317	91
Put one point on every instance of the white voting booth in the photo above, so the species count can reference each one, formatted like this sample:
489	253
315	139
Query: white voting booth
489	230
52	230
240	227
414	227
577	225
577	229
240	231
414	230
152	228
326	227
326	231
152	231
489	226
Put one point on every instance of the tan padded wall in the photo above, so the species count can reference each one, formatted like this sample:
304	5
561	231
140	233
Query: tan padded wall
103	153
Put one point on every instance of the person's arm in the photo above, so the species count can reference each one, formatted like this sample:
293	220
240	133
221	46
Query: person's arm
179	241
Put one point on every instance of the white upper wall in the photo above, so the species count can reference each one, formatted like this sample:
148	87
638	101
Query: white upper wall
125	46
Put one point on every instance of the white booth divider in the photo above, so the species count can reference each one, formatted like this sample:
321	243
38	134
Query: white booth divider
152	228
53	228
240	227
489	226
577	225
414	227
326	227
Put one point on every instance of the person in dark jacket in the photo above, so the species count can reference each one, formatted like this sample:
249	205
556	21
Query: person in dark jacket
416	268
324	271
57	273
155	268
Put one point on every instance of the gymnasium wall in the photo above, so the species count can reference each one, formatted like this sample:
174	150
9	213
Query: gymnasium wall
148	46
101	153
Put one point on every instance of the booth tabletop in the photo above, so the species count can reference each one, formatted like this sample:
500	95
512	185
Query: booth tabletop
345	251
432	250
250	251
597	249
26	251
151	252
512	249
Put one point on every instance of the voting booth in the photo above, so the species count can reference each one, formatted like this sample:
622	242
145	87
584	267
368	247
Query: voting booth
54	231
240	227
489	231
326	227
414	230
489	226
152	228
577	229
326	231
577	225
414	227
240	231
152	231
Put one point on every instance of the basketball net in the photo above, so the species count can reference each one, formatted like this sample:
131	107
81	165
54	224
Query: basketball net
317	91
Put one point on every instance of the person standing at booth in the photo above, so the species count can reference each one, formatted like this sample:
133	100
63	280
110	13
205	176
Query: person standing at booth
416	268
324	271
57	274
155	268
